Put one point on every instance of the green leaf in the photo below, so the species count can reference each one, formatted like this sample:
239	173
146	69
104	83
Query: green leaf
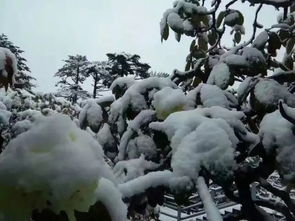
177	36
237	37
196	20
192	45
203	44
288	62
189	61
197	80
290	45
197	53
274	40
284	35
188	65
212	37
248	86
165	33
220	18
274	43
240	20
175	22
205	20
261	40
233	18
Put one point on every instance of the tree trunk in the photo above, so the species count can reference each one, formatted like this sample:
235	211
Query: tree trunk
76	88
95	86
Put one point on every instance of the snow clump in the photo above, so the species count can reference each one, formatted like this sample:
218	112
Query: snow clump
54	165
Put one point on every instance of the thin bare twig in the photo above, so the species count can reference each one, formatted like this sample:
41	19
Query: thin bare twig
254	26
282	3
230	3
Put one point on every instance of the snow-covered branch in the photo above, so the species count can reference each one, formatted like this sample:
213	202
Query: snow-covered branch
140	184
209	205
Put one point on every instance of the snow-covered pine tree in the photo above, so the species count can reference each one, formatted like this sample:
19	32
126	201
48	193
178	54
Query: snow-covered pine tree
23	78
8	68
72	75
124	64
100	73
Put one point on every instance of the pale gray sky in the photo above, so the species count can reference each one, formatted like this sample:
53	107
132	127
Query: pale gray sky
49	30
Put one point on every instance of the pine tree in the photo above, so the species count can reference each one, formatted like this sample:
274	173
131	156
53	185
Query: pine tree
124	64
72	75
100	72
23	78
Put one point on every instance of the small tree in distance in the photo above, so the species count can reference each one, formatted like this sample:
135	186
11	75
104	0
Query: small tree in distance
72	75
124	64
99	71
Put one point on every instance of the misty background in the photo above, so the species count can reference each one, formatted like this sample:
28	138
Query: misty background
50	30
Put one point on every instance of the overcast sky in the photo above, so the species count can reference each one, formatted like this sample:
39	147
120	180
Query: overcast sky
49	30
